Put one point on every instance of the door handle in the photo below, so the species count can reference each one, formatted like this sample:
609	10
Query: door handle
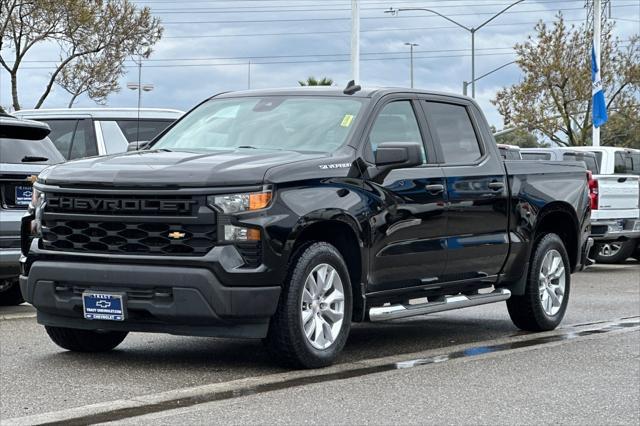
496	185
435	188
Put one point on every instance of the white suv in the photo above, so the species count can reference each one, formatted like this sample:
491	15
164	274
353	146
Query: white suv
86	132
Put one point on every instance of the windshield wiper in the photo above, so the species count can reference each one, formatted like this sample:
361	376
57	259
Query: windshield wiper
33	158
247	147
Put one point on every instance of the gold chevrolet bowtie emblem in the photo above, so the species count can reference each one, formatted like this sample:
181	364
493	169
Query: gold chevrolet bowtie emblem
176	235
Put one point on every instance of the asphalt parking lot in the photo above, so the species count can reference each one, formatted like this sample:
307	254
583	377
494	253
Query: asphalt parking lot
472	365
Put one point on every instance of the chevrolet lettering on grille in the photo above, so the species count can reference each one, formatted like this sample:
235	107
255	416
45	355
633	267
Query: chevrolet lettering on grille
119	205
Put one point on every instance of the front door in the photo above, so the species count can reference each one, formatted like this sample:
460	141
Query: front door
409	233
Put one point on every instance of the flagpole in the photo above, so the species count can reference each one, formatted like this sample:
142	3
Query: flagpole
355	41
595	139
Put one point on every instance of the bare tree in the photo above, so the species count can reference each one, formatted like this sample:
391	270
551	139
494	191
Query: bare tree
76	29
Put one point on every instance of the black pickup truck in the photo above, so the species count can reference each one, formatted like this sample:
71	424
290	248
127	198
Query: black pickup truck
287	215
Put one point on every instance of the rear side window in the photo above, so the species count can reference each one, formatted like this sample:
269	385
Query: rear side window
589	161
536	156
635	162
146	131
73	138
619	165
454	132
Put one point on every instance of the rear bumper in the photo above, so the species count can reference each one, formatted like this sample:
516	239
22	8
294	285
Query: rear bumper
615	230
165	299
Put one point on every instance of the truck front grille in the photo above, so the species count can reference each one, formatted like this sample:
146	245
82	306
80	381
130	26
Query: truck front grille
130	237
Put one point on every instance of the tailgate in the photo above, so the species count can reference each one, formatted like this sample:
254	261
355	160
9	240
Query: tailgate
618	196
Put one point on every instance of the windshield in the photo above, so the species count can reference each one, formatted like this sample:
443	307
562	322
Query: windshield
317	124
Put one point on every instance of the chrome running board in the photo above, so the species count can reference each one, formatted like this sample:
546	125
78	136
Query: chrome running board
385	313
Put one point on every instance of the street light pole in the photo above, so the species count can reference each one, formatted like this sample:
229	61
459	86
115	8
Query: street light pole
139	87
465	84
411	46
472	30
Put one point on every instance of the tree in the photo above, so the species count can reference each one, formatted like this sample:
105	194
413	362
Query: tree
622	130
554	97
96	75
519	137
311	81
80	31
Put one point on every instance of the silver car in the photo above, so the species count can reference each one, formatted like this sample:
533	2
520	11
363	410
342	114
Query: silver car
24	151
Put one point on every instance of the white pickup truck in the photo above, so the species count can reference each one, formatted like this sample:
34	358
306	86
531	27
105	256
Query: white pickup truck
615	217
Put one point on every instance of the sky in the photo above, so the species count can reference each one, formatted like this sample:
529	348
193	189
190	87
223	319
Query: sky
208	44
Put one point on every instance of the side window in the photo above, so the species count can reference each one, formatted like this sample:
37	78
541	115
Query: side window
147	130
396	123
455	134
535	156
83	144
62	134
635	160
619	165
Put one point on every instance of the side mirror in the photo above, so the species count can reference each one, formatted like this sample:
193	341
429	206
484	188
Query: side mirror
395	155
137	145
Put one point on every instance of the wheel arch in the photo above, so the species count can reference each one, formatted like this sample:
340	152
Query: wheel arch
559	218
346	235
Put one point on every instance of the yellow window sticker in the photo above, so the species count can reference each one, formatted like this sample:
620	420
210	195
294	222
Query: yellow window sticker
346	121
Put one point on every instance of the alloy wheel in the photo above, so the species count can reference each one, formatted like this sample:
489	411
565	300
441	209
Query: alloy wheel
551	282
322	306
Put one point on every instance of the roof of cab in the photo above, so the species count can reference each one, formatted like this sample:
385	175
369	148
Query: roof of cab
365	92
100	113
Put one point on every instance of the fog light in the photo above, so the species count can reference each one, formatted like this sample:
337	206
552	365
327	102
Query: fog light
239	233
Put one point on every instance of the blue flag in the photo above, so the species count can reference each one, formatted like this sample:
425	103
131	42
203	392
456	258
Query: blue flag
599	104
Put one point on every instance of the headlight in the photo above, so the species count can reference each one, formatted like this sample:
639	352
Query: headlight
234	203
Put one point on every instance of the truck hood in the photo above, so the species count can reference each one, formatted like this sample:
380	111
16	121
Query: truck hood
173	168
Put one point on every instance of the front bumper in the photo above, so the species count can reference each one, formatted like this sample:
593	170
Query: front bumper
615	230
165	299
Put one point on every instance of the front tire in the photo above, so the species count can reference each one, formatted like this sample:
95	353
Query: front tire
546	295
85	340
313	319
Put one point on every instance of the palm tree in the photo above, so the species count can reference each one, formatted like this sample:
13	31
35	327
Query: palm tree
311	81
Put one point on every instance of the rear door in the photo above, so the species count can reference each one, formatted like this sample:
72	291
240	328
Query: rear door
477	215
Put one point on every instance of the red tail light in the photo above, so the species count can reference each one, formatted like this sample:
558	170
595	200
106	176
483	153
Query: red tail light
593	190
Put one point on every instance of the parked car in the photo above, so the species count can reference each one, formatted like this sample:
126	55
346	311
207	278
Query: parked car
288	214
24	151
509	152
620	239
86	132
614	217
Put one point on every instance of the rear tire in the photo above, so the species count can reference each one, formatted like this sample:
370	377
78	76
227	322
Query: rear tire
10	294
311	324
548	282
614	252
85	340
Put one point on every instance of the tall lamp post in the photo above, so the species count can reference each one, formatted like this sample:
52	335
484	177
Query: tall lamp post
472	30
411	46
